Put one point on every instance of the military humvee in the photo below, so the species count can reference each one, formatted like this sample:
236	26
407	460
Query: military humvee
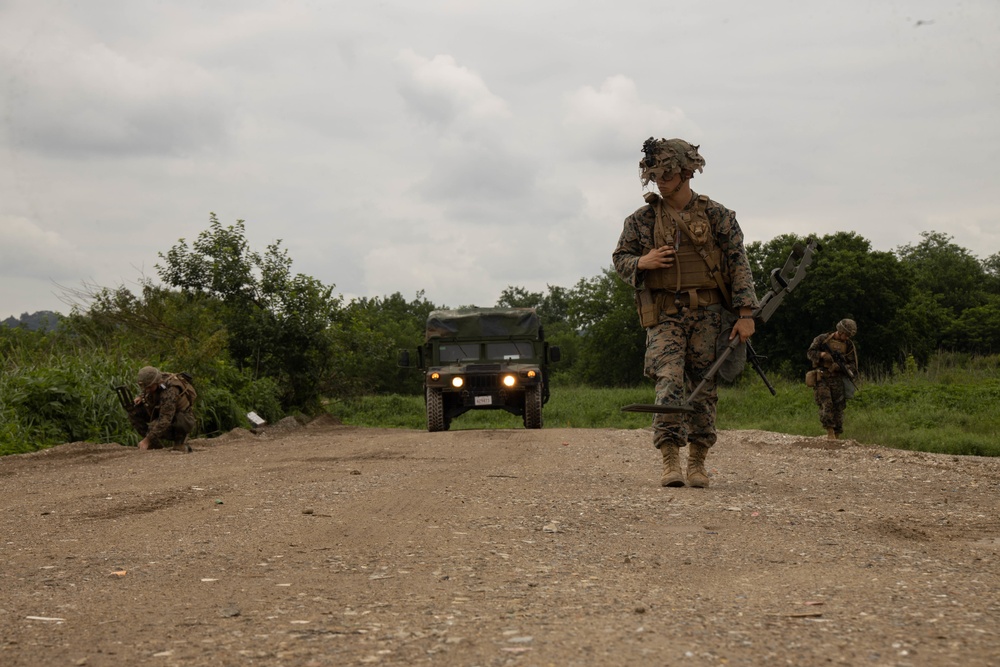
484	359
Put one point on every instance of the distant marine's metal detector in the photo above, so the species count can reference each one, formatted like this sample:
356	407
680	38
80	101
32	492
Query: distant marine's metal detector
783	281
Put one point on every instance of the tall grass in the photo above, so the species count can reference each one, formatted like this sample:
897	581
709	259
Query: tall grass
50	397
57	388
569	407
55	393
950	407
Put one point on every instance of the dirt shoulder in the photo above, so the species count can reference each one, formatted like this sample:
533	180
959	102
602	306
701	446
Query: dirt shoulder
334	545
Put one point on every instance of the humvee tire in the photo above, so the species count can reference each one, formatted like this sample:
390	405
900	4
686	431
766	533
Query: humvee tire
533	407
435	411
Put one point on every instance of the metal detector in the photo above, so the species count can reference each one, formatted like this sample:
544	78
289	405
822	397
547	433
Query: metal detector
783	281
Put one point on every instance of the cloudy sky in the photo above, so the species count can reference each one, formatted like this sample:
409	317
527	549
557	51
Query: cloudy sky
459	146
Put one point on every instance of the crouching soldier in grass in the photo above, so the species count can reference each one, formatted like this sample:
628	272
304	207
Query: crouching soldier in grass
164	412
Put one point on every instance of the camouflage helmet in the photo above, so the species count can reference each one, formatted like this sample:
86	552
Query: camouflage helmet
848	328
666	157
147	376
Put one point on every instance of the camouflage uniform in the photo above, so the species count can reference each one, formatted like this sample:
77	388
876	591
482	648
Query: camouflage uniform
829	391
165	413
684	342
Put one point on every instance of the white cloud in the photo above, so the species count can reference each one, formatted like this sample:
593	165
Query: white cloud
513	150
445	94
605	122
28	251
77	98
476	167
471	265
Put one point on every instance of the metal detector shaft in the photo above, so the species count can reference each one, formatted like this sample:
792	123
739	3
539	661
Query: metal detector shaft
783	281
688	404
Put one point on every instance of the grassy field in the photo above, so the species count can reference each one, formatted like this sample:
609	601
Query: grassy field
951	407
50	397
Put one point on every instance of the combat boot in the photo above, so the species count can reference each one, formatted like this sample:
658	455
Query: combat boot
671	466
696	473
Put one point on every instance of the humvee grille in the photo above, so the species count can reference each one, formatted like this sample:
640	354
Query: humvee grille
484	382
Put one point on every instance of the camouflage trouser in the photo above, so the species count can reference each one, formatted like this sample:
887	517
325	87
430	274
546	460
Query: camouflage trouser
685	343
177	434
830	398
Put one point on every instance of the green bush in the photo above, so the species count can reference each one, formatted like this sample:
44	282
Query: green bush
60	398
57	388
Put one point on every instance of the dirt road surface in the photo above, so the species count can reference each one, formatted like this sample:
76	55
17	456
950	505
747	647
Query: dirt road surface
326	544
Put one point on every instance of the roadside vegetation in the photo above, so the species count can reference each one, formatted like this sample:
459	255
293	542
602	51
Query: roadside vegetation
257	336
949	407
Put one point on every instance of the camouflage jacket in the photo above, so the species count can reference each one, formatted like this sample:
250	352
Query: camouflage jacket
829	366
163	406
638	234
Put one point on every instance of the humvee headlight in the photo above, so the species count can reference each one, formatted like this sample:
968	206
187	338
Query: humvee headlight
532	374
509	380
457	382
435	376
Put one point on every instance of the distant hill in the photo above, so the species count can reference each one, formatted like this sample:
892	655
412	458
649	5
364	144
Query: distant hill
44	320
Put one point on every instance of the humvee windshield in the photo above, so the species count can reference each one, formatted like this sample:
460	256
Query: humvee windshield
467	352
510	351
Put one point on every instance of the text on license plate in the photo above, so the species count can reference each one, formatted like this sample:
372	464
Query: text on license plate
484	400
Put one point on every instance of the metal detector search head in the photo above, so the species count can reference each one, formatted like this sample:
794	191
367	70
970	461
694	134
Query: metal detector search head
680	408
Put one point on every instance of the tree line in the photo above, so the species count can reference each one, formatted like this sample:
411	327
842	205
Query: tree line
257	336
46	320
909	303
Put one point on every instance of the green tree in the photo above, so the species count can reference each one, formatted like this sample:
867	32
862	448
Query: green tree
519	297
991	267
553	307
612	343
976	330
164	326
952	274
847	279
921	324
387	325
951	290
279	325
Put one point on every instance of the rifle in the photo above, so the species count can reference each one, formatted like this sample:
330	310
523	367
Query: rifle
124	397
840	360
783	281
754	360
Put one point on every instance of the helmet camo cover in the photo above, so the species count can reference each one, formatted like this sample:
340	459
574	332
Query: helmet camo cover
667	157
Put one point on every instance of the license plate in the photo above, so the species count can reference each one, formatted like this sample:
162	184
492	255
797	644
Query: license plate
484	400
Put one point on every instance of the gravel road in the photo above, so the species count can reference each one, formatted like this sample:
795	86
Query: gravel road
327	544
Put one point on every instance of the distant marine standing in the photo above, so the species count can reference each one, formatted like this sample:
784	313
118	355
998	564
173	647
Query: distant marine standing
835	374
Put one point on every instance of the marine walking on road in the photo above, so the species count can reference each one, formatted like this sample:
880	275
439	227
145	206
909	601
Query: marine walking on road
684	255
